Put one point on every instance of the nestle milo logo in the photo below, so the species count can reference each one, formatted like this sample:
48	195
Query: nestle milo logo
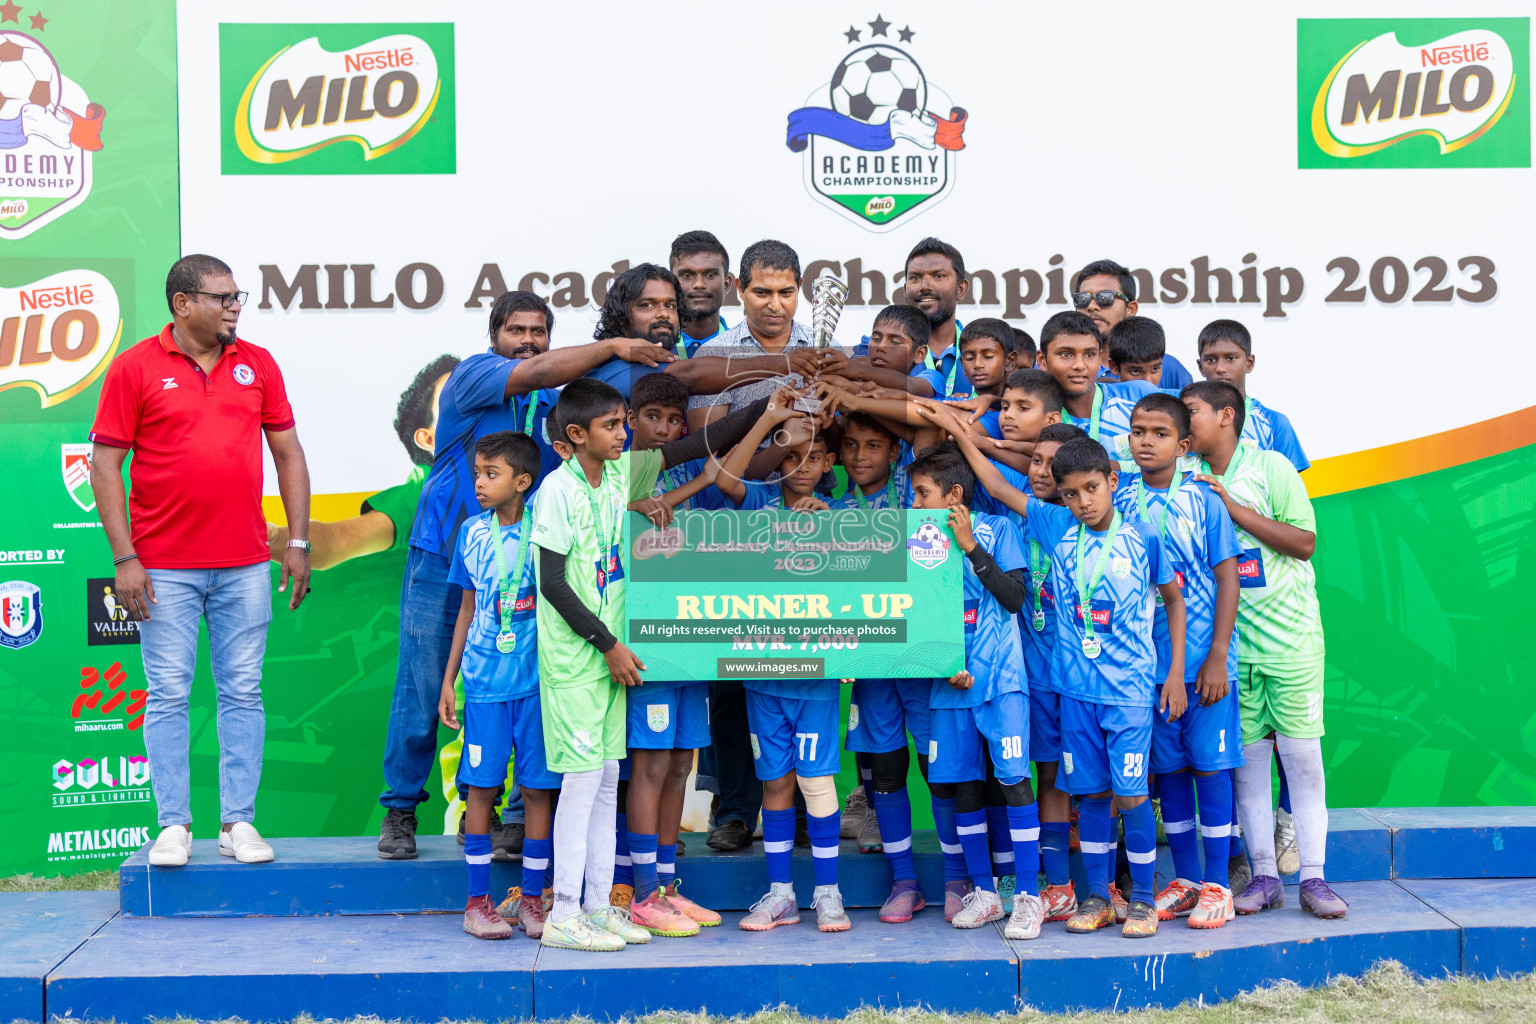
1413	93
337	99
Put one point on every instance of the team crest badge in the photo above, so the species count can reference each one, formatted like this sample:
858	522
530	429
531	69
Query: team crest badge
657	716
1186	528
244	375
474	754
76	467
929	546
1120	566
875	141
21	614
853	717
583	741
757	750
1066	761
49	129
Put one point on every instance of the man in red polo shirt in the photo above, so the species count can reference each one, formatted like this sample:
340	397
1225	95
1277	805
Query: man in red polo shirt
192	404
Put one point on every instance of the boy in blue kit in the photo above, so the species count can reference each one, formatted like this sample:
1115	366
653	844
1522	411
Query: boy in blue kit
1226	353
980	717
494	642
1105	666
1035	507
1197	752
1137	345
1069	351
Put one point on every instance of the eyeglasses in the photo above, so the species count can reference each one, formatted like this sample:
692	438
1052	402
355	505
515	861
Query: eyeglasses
1103	299
226	299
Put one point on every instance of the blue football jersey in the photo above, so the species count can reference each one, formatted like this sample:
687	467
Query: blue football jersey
1120	397
1043	528
1199	536
1268	430
993	654
759	495
674	477
488	674
1125	672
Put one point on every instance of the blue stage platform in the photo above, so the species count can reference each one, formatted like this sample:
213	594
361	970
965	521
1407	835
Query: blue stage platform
334	948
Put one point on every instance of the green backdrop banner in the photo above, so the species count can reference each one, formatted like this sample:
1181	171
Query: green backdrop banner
88	226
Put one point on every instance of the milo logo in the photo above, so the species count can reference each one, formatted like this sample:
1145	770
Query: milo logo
1414	93
338	99
58	334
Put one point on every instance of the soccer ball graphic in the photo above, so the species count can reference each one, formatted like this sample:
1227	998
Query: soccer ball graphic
929	536
28	74
874	81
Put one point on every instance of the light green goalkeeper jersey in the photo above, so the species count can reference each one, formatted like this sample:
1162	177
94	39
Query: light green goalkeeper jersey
1277	614
586	524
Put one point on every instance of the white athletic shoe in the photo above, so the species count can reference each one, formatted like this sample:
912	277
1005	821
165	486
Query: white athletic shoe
172	847
981	906
1287	857
1028	913
244	843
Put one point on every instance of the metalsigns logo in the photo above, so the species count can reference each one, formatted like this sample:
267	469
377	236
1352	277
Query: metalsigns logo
337	99
874	145
1428	92
57	337
48	130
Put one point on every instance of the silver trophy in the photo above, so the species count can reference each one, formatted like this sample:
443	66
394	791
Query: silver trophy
827	297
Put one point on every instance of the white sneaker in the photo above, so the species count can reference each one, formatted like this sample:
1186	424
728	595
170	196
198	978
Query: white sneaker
981	906
1287	857
172	847
245	844
1028	913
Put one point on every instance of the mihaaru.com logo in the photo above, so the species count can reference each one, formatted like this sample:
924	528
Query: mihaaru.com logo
337	99
1427	92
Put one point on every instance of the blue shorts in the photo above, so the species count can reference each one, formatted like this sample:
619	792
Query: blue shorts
1044	725
1096	738
792	734
669	718
964	737
883	711
1205	739
492	731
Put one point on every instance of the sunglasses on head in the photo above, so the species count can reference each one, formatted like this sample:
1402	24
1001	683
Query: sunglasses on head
1103	299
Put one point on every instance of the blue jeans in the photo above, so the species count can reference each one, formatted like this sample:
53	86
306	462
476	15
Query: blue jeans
237	604
429	608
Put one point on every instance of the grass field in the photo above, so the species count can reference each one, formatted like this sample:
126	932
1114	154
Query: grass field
1388	994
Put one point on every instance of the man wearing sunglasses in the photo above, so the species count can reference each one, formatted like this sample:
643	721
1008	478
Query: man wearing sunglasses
1105	292
192	404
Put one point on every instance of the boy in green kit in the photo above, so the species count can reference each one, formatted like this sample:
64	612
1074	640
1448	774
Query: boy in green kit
578	526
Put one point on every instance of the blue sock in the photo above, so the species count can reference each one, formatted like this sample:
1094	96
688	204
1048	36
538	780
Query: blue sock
477	858
778	841
1285	788
999	840
1177	793
824	839
1235	844
1054	839
949	843
972	829
894	813
666	864
1093	825
1024	831
1141	849
642	850
535	863
1215	824
623	868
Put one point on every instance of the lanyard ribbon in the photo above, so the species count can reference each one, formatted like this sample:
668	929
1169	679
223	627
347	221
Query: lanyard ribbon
928	363
597	528
890	493
509	587
1085	589
1038	565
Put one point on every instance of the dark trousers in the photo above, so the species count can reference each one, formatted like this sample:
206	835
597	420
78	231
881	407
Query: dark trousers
741	794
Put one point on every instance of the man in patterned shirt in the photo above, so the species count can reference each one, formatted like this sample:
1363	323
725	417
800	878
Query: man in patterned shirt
1280	645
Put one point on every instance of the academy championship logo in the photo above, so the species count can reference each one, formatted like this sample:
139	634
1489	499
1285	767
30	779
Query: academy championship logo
878	141
1413	93
337	99
929	546
57	336
21	614
48	131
